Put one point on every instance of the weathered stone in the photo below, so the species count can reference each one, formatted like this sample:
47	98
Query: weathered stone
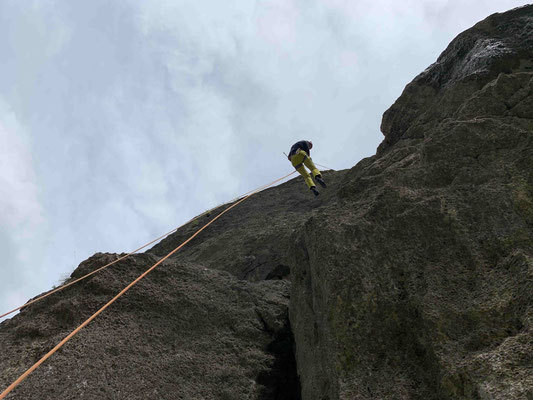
418	283
500	44
185	332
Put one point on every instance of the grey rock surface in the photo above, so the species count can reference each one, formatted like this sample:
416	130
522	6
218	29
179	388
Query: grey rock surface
185	332
418	282
500	44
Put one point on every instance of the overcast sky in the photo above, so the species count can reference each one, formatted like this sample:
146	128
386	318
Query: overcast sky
121	120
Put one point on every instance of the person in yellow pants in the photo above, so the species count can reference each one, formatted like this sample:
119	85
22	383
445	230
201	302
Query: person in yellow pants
300	157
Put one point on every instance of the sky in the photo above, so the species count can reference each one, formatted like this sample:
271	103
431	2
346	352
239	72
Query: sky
120	121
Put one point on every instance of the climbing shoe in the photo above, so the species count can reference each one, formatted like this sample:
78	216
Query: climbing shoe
319	179
315	192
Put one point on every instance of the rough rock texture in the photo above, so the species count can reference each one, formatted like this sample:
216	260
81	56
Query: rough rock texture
500	44
410	277
418	282
185	332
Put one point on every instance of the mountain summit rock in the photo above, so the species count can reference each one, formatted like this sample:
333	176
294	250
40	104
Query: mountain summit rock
410	277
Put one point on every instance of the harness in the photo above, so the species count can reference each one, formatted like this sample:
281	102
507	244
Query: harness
303	161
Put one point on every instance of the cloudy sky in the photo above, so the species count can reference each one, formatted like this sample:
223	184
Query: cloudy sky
121	120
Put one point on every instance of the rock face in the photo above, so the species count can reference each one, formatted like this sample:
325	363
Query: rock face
418	282
209	323
455	86
186	332
410	277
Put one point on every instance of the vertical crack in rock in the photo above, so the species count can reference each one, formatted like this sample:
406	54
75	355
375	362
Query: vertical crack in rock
281	382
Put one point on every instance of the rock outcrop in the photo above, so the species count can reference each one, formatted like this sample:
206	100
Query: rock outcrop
410	277
187	332
453	87
418	282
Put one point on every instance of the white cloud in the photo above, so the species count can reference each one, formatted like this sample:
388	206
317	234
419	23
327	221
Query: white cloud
20	209
21	214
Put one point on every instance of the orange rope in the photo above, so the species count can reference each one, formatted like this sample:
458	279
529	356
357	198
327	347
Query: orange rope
123	257
79	328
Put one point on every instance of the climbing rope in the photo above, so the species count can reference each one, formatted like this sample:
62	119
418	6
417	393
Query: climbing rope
21	378
323	166
60	288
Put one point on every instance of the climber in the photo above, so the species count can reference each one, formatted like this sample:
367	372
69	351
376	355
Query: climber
300	157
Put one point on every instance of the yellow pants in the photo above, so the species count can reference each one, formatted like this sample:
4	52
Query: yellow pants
301	160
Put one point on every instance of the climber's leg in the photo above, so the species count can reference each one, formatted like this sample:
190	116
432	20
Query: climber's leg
298	162
311	165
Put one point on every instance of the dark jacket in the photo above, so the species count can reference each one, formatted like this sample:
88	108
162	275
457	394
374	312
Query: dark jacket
301	145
